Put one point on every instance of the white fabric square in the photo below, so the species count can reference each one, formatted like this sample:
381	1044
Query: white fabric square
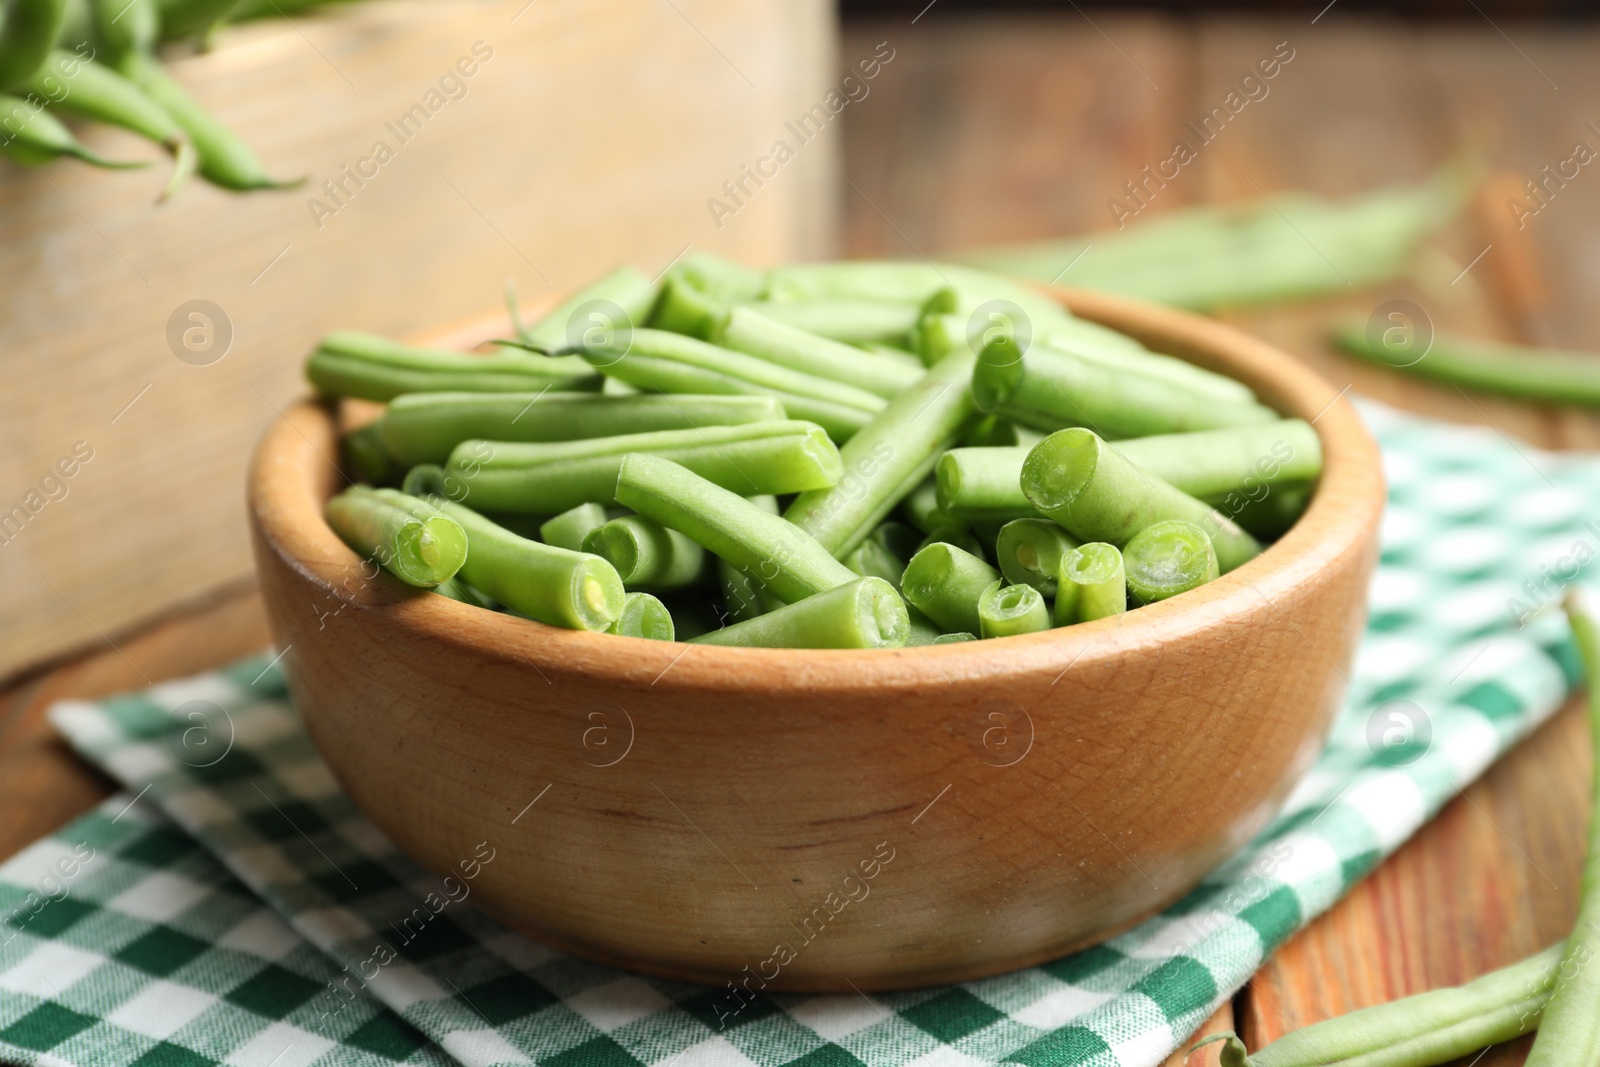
212	688
617	1003
161	1009
1390	802
139	762
159	896
49	969
309	780
327	927
1150	1044
366	838
481	1048
280	1045
260	723
264	865
521	952
1059	1007
400	985
198	808
262	934
945	1056
838	1016
48	857
84	722
714	1051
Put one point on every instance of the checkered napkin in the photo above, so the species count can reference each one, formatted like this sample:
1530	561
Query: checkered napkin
154	952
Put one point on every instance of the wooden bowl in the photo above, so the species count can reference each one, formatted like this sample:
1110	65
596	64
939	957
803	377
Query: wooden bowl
830	820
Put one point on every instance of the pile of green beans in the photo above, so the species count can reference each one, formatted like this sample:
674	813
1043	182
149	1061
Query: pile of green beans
834	455
96	59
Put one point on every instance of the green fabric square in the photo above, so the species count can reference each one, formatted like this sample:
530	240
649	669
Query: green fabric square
1179	986
284	819
161	951
951	1015
439	937
1388	621
1275	917
138	717
596	1052
1357	867
368	878
157	847
386	1035
166	1054
1565	655
235	765
45	1027
1066	1047
1493	699
273	992
1075	968
508	997
59	915
721	1012
828	1055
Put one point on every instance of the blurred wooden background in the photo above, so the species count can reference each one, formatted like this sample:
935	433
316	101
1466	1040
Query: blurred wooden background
594	135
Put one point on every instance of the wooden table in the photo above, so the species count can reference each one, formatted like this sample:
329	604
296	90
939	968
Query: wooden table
986	130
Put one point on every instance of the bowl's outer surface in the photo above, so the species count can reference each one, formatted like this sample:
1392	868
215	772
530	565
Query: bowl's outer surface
831	820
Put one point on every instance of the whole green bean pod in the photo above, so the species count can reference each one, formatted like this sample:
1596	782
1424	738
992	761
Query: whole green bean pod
553	585
1006	610
889	456
864	613
748	331
786	559
1420	1030
856	321
415	543
30	134
1096	494
1569	1033
1030	551
1551	375
647	555
550	477
28	29
1168	558
1091	584
568	529
644	616
187	18
350	363
945	583
426	427
618	302
672	363
1048	388
125	28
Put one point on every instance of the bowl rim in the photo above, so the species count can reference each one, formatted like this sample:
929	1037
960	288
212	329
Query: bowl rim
285	497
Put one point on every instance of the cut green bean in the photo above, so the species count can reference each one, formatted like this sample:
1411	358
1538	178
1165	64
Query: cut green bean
419	545
959	536
1030	552
425	427
348	363
1047	388
1421	1030
871	559
647	555
568	529
1091	584
954	639
1168	558
1122	354
743	595
1098	495
1569	1033
1266	513
921	508
456	589
552	585
1552	375
856	321
644	616
548	478
367	459
784	557
1007	610
656	360
864	613
891	454
594	314
748	331
699	290
945	583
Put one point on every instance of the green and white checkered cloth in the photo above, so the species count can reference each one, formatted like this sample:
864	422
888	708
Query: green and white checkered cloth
244	931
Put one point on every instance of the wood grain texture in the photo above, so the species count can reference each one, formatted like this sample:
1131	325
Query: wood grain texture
594	135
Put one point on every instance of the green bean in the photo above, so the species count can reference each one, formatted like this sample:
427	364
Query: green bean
1098	495
426	427
672	363
683	308
743	595
367	459
77	85
125	28
568	529
552	585
1270	514
945	583
923	630
863	613
1421	1030
844	319
1121	354
185	18
938	336
1030	552
625	295
959	536
1006	610
28	28
644	616
30	134
720	276
921	508
1091	584
417	544
983	482
784	557
1569	1034
225	159
899	355
992	431
1047	388
348	363
1552	375
871	559
748	331
1168	558
456	589
550	477
647	555
954	639
888	457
